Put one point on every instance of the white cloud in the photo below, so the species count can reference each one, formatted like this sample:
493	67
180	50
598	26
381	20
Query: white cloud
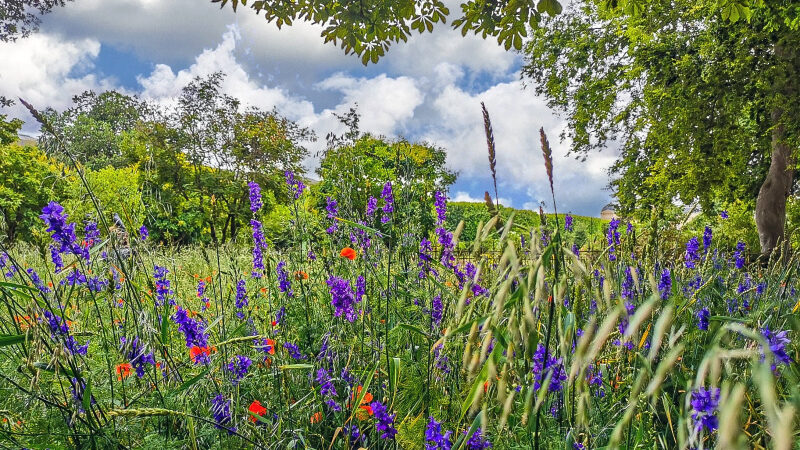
42	70
461	196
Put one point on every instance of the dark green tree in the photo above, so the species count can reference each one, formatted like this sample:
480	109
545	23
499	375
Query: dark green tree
19	18
701	95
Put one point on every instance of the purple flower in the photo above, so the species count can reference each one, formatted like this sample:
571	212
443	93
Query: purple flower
294	352
138	356
576	250
612	237
629	228
238	367
702	319
435	439
311	256
739	255
296	186
283	279
241	299
707	234
777	345
143	233
255	196
437	308
62	232
221	410
361	288
704	405
372	206
37	281
692	247
541	370
193	329
163	291
627	285
91	233
477	441
440	202
665	284
331	206
342	298
448	246
388	201
568	223
385	421
59	329
259	245
56	256
724	214
326	388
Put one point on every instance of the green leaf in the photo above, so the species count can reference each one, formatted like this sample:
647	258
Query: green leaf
187	384
412	328
11	339
87	396
394	375
363	393
296	366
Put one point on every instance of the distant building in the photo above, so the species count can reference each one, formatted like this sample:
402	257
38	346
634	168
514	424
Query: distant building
608	212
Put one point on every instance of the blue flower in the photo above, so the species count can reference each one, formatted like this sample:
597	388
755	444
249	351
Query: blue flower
702	319
724	214
283	279
255	196
372	206
704	405
739	255
296	186
388	201
385	421
435	439
707	239
193	330
568	223
553	367
777	345
342	298
440	202
221	410
477	441
294	352
692	247
163	291
143	233
238	367
138	356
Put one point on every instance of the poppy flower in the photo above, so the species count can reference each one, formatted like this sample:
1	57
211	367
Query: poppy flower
365	402
301	275
316	417
256	411
123	371
196	351
348	253
270	347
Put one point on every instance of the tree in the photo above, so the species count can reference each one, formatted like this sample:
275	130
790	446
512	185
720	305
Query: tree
703	99
356	167
18	18
367	28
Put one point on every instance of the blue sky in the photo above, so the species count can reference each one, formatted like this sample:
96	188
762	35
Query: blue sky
428	89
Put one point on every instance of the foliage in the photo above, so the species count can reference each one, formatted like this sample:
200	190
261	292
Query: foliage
687	88
28	179
118	190
18	18
367	29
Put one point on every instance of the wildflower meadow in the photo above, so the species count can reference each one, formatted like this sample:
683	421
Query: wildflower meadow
378	335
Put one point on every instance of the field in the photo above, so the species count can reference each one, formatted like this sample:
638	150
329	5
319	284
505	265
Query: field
377	337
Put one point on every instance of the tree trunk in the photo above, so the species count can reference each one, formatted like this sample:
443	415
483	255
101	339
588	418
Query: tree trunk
771	201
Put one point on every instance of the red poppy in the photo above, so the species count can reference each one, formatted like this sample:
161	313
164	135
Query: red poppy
348	253
270	346
316	417
364	404
196	351
256	411
123	371
301	275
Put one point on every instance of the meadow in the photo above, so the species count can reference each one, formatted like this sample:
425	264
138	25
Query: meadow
379	336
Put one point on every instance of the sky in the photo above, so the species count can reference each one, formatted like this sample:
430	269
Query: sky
426	90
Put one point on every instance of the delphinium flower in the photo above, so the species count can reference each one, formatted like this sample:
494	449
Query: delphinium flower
777	345
738	255
143	233
62	232
296	186
440	202
137	355
385	421
691	255
545	238
437	308
704	406
553	366
59	330
95	284
355	435
259	245
342	298
361	288
194	330
372	206
612	237
447	245
702	319
576	250
163	291
221	410
595	378
241	299
441	361
201	294
477	441
311	255
283	279
425	259
56	257
629	228
238	367
388	202
255	196
91	233
78	390
294	352
707	235
434	438
627	285
38	281
568	223
331	206
724	214
327	389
